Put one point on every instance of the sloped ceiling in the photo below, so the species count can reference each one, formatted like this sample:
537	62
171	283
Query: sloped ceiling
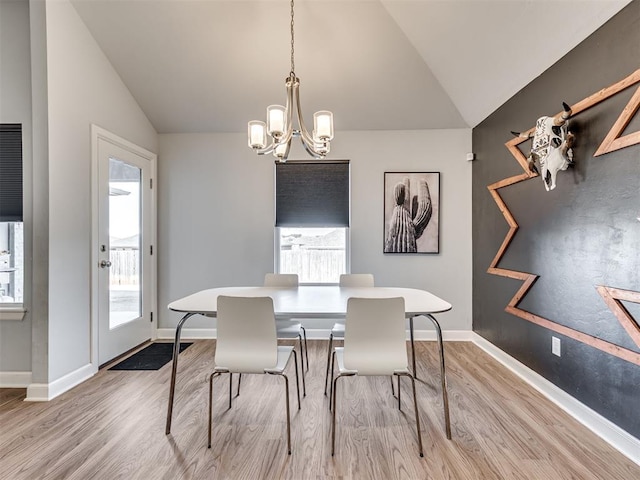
212	65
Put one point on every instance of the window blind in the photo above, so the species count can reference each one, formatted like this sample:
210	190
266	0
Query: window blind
312	194
10	172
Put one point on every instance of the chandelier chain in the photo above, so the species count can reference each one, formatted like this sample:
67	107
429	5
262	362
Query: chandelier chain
293	69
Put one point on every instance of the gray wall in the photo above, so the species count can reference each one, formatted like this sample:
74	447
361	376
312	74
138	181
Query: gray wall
83	89
584	233
15	107
69	86
216	204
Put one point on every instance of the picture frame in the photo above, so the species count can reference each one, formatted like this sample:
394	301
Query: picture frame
411	212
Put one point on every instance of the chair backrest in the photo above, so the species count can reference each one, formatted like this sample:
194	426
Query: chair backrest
246	334
375	336
356	280
281	280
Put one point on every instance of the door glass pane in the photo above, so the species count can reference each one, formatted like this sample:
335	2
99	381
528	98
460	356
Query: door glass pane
125	300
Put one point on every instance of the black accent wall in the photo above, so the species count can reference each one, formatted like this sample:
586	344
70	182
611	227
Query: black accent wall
584	233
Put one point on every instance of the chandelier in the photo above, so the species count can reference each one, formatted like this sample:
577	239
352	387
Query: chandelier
280	123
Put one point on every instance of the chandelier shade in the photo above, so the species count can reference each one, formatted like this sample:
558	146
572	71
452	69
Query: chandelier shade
286	122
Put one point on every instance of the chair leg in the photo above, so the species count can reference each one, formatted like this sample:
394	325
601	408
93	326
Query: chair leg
333	417
333	358
239	381
230	388
210	406
301	351
306	348
286	386
304	385
393	392
295	365
399	407
326	377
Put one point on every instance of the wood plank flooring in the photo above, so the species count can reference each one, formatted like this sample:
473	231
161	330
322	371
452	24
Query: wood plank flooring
112	427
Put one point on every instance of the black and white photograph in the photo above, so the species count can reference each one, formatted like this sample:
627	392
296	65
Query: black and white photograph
411	212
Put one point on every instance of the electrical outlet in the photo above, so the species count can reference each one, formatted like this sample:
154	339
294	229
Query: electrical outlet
555	346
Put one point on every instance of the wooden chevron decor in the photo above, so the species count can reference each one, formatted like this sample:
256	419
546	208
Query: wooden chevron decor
612	296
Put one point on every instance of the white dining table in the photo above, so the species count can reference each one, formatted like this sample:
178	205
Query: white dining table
313	301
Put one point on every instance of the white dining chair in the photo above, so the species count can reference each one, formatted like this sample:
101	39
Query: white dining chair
374	344
290	329
337	331
246	343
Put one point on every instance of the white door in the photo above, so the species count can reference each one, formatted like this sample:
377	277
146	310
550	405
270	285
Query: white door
124	250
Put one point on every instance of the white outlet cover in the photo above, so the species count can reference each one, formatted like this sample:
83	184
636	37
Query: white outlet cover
555	346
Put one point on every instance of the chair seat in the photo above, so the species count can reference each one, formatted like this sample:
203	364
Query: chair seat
382	371
284	353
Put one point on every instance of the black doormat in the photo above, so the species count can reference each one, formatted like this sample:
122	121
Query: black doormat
152	357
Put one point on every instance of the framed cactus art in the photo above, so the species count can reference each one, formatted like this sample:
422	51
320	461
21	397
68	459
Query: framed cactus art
411	212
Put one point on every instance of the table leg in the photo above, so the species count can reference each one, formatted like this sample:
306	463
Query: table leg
413	348
174	370
443	378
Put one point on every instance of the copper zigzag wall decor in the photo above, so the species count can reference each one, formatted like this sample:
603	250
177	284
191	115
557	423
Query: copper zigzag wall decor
612	296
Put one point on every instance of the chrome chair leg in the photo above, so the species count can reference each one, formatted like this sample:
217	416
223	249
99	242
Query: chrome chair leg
331	397
301	350
333	417
306	348
443	378
295	366
286	386
326	377
215	374
304	385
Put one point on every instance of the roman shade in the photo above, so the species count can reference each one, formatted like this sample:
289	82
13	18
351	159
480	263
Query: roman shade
312	194
10	172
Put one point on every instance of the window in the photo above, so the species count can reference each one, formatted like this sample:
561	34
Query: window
317	255
312	220
11	226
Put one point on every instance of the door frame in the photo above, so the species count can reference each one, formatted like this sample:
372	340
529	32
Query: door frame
99	133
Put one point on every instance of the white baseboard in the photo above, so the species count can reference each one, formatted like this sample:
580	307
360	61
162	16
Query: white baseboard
312	334
622	441
15	379
43	392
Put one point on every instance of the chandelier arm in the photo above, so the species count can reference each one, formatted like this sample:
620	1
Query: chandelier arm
266	150
304	133
311	151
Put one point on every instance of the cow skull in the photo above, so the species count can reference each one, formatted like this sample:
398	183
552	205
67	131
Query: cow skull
551	146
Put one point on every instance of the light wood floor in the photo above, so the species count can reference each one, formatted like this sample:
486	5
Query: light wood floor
112	427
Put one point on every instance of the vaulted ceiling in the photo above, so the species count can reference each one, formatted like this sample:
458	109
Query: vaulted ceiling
212	65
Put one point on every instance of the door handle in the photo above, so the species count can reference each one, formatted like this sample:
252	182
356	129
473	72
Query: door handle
105	263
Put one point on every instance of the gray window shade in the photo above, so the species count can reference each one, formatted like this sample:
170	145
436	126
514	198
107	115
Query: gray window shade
312	194
10	172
